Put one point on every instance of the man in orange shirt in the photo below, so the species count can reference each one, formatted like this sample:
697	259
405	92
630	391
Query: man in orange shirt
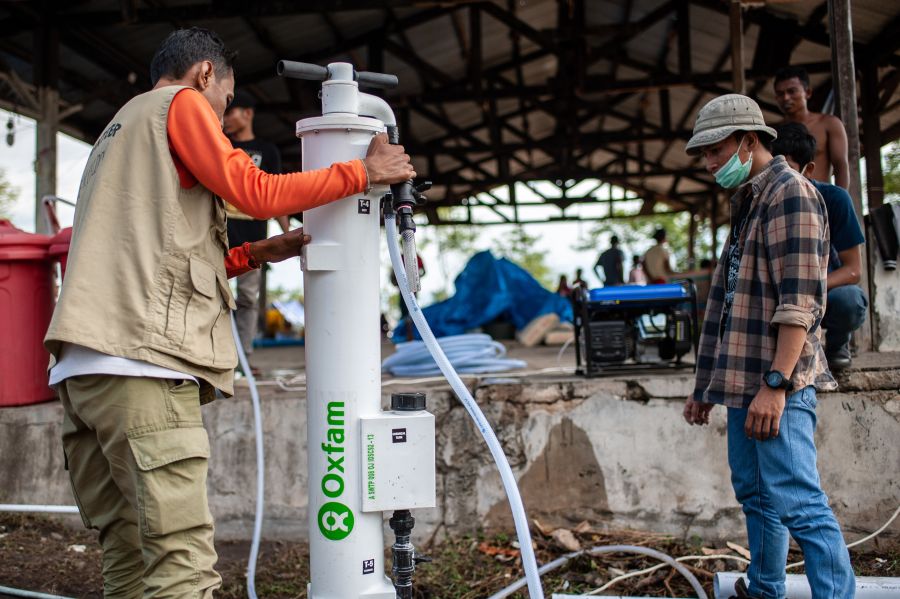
141	335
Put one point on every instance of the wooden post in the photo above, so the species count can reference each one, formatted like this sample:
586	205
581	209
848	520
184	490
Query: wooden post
692	240
872	135
737	48
844	75
46	50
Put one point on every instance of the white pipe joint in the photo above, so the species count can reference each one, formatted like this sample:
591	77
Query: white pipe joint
376	107
340	93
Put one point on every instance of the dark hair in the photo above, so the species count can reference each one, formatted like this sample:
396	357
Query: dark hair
764	138
186	47
614	240
795	142
785	73
660	235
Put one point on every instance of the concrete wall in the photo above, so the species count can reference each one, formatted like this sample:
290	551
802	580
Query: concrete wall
887	306
614	452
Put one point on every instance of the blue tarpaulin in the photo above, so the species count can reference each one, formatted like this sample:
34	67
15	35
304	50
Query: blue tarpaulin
489	287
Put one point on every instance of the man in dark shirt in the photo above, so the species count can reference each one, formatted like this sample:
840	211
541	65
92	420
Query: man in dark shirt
242	228
613	263
846	305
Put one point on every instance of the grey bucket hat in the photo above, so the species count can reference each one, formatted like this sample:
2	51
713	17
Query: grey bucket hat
723	116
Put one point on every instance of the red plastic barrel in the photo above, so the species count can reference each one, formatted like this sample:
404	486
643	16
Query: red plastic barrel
26	303
59	247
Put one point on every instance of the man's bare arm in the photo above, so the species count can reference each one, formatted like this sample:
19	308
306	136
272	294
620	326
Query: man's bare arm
837	152
849	271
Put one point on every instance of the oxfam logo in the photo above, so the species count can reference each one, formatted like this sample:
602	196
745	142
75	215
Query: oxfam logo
335	521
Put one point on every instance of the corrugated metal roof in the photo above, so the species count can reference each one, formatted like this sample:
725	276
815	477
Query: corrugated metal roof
554	127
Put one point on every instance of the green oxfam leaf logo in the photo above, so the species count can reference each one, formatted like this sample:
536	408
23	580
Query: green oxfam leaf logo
335	521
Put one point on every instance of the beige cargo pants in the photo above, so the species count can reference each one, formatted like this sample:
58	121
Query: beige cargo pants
137	455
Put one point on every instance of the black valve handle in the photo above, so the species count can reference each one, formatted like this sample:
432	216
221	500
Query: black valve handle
314	72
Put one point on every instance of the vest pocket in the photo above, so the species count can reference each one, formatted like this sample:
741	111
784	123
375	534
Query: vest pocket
224	350
172	468
202	312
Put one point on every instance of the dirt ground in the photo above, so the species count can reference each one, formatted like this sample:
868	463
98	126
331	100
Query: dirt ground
45	555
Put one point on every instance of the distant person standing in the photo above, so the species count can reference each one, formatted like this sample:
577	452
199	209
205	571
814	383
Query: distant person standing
612	261
563	288
242	228
657	260
791	94
637	275
579	278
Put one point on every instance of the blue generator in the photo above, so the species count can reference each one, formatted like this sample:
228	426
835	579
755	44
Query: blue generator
634	326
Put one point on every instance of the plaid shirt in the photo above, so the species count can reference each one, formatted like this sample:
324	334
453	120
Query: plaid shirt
781	280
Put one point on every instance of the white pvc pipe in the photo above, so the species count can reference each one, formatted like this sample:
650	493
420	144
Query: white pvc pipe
46	509
797	586
462	392
260	462
21	593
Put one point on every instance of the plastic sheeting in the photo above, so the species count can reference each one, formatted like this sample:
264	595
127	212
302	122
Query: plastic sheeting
489	287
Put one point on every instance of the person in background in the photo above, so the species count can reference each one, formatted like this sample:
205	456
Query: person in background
637	276
579	278
658	260
242	228
613	263
792	92
760	353
563	288
846	307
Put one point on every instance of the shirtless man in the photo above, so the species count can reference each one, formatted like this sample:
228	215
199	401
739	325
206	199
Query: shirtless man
791	94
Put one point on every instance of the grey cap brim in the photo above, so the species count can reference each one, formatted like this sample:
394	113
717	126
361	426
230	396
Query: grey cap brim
714	136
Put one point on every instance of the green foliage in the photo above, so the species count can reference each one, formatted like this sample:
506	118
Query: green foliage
891	169
280	294
8	196
519	247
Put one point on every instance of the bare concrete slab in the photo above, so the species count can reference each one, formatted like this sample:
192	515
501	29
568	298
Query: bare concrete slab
611	450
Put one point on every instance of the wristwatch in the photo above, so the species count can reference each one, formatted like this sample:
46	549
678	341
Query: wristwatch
775	379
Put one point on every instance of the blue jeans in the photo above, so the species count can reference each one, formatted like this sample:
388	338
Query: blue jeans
777	485
845	311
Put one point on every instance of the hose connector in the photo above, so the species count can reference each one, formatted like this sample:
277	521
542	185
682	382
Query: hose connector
403	553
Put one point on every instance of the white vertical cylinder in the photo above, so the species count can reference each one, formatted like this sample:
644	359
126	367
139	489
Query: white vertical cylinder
343	368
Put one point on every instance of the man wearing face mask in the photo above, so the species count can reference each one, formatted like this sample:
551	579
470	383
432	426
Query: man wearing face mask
141	334
760	353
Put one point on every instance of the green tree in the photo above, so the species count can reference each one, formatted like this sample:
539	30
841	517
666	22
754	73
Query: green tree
891	169
459	240
8	196
519	247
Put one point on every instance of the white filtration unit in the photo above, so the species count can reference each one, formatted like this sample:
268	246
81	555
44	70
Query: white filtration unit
354	470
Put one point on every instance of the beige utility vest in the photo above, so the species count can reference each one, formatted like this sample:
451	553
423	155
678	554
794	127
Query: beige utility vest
145	277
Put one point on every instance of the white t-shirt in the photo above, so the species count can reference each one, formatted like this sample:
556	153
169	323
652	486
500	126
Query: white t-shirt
77	360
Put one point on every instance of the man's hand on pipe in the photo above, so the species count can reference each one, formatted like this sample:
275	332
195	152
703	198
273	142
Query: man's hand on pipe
386	163
280	247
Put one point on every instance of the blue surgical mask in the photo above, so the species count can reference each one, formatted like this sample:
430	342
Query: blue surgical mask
734	172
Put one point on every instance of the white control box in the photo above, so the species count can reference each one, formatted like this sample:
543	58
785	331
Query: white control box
398	468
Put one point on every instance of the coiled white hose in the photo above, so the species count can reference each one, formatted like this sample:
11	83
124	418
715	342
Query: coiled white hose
468	354
529	562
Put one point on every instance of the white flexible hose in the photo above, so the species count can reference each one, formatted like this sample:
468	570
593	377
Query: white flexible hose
260	462
529	562
600	549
